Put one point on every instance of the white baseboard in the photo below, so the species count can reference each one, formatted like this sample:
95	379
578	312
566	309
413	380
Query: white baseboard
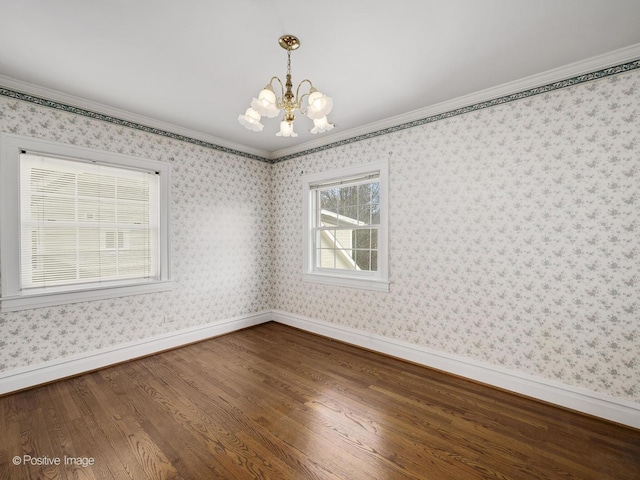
21	378
574	398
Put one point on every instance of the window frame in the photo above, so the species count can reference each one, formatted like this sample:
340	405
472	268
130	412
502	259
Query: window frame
13	298
369	280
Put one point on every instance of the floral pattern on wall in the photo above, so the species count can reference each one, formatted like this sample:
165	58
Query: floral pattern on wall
514	237
220	244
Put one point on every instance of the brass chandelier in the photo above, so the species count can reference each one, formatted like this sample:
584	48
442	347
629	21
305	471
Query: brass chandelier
316	107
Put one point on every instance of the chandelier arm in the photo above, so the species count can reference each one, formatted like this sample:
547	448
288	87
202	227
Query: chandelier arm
299	99
280	98
279	81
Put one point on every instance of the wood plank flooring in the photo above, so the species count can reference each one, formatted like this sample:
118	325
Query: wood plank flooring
274	402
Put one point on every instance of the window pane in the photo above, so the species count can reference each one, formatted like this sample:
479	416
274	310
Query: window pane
327	239
348	196
363	239
89	240
137	240
52	240
52	269
133	189
50	208
92	185
364	194
98	265
375	214
344	239
97	211
369	193
44	180
329	199
364	214
133	264
347	216
327	258
345	260
363	259
133	212
374	239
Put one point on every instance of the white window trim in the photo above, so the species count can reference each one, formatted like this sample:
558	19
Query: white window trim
13	298
378	280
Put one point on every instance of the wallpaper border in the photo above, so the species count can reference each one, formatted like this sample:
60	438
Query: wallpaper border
7	92
588	77
596	75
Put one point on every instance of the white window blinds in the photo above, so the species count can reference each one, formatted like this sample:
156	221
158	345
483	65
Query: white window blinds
83	222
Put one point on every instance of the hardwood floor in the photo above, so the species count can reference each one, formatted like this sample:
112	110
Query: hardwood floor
274	402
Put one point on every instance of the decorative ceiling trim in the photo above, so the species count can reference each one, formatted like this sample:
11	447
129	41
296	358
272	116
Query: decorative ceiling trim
39	100
588	77
499	100
610	59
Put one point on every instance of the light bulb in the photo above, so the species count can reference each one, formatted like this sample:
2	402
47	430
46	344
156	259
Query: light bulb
265	104
319	105
286	130
251	120
321	125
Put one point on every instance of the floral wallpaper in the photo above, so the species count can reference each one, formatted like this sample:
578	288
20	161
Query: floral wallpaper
514	236
220	244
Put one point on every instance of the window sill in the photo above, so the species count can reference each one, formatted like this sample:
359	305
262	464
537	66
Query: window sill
24	302
375	284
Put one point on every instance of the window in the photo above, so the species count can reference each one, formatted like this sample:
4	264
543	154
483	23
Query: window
80	224
346	227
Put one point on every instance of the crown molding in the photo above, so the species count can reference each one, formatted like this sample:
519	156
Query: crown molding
492	96
136	121
576	69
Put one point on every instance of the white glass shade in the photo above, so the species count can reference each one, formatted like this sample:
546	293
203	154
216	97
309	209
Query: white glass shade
251	120
321	125
319	105
265	104
286	130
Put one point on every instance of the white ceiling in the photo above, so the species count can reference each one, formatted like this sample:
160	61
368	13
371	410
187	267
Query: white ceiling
196	64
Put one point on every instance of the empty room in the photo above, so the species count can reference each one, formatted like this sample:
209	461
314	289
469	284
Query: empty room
357	240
